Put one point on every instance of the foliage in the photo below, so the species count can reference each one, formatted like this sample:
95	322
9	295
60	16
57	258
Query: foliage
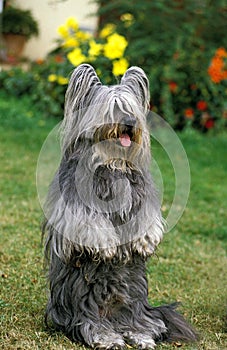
46	80
18	21
16	82
38	83
51	76
178	44
191	263
174	43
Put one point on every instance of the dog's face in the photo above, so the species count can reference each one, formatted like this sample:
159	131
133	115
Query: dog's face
111	118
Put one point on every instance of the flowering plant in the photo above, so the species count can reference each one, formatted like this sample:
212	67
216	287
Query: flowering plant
192	97
18	21
106	51
218	66
48	78
175	58
188	81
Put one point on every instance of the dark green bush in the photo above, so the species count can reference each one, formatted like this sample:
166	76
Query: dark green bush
35	82
17	82
18	21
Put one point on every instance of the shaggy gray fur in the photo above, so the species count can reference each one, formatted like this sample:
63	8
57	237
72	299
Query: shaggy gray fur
103	219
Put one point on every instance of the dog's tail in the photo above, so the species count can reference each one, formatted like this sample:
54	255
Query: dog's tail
178	329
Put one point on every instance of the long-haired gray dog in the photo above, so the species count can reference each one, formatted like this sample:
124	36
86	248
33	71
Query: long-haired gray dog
103	219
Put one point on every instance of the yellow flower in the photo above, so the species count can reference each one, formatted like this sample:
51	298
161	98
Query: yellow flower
76	57
94	49
127	18
62	80
107	30
52	78
63	31
115	46
72	23
83	36
71	42
120	66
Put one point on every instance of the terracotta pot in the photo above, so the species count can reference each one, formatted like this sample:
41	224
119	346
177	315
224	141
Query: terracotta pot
14	45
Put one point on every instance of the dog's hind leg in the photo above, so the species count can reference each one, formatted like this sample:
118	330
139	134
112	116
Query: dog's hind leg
76	304
130	313
141	324
138	327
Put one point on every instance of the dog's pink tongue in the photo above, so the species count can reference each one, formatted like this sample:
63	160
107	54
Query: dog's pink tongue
125	140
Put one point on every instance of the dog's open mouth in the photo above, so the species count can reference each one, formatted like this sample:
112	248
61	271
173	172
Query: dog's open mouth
126	135
123	135
125	140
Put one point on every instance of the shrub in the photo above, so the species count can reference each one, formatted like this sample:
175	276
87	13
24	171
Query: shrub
17	82
174	42
17	21
46	81
186	66
105	52
51	83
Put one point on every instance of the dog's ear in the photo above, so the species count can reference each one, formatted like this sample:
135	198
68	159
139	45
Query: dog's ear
137	81
81	88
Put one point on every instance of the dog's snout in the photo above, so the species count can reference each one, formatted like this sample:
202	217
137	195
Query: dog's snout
129	120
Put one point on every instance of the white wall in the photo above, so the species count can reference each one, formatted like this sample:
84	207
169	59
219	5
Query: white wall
50	14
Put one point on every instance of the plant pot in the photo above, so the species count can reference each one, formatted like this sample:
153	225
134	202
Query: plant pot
14	46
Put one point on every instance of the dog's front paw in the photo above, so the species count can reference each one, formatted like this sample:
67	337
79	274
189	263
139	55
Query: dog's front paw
108	341
139	340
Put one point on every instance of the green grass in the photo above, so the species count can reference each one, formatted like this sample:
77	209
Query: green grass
190	265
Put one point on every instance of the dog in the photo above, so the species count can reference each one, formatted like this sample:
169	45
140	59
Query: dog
103	219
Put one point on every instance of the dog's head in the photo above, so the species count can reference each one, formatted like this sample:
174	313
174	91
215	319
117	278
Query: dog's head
110	118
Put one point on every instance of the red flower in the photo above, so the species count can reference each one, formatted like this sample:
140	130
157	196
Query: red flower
221	52
189	113
193	87
39	61
209	124
224	114
217	69
176	55
59	59
173	86
201	105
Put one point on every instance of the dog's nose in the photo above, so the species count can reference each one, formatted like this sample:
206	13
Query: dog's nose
129	120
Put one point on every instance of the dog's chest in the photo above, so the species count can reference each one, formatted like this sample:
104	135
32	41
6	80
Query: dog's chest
121	193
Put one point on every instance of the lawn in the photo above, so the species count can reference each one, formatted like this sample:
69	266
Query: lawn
190	265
